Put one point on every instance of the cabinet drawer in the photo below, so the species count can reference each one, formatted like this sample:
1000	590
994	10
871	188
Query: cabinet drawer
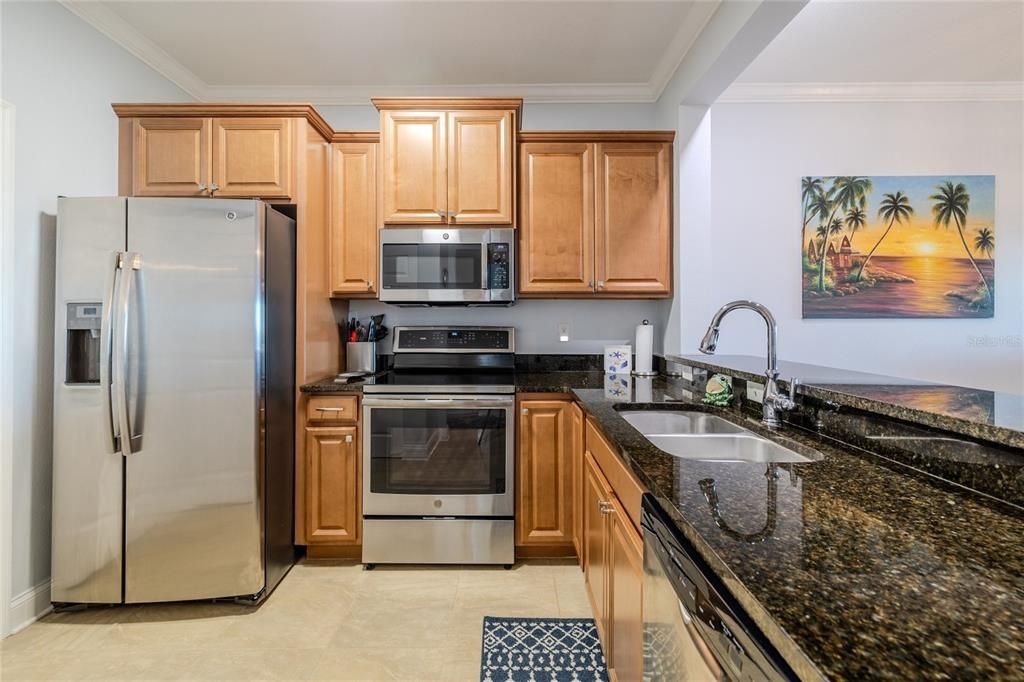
626	487
333	408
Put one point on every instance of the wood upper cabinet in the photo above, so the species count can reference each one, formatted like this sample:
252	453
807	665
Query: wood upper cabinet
220	157
252	157
414	173
625	596
354	222
633	218
556	203
171	157
480	155
596	216
544	474
578	447
333	490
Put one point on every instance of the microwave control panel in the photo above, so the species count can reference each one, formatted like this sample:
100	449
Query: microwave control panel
498	261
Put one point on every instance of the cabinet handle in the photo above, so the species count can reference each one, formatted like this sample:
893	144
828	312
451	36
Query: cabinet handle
442	214
348	439
369	285
600	284
202	187
213	188
526	410
590	284
330	409
605	507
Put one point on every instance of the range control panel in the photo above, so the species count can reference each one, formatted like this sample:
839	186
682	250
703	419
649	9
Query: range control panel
454	339
498	262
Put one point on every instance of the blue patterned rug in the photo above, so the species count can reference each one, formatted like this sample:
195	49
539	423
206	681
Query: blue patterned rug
541	650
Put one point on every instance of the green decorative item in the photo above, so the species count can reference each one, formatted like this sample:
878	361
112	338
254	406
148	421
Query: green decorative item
718	390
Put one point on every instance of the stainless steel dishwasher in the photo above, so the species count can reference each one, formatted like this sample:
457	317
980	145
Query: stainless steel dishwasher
693	629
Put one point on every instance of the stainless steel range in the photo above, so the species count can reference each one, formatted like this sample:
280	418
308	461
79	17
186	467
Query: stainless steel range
438	449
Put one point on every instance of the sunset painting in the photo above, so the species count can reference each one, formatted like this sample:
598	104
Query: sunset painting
898	246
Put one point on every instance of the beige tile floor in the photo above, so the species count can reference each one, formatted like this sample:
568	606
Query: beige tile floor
326	621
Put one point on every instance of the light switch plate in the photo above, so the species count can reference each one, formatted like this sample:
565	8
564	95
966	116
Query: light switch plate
755	392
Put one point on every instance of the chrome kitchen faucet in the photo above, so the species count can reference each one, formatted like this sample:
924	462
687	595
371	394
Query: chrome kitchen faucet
773	402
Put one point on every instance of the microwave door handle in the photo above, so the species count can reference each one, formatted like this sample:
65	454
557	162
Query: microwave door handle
107	320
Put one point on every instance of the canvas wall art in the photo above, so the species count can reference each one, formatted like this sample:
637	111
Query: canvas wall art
898	246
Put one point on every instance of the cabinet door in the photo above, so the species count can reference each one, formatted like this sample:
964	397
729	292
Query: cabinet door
596	496
544	482
577	480
480	167
252	157
413	177
333	513
625	597
634	219
556	202
353	218
171	157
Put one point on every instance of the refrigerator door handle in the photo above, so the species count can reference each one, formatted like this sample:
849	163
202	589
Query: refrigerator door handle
107	321
129	262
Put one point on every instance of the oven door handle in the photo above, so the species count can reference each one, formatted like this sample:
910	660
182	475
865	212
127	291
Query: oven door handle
467	403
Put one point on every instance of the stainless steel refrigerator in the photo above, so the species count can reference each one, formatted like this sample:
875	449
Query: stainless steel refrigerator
174	377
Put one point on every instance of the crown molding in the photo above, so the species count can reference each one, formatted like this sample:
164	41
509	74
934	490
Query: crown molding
981	91
344	95
107	22
547	136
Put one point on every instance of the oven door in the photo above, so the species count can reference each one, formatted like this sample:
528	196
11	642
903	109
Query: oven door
438	456
433	266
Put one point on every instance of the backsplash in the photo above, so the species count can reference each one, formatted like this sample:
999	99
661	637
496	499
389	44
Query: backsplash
592	324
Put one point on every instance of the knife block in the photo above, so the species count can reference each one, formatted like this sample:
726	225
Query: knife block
361	356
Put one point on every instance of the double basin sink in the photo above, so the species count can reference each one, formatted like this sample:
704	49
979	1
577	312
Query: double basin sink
689	434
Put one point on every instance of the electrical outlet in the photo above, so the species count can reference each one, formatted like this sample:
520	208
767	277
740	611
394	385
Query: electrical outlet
563	332
755	392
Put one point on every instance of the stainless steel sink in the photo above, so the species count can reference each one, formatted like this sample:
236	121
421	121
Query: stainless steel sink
672	422
726	448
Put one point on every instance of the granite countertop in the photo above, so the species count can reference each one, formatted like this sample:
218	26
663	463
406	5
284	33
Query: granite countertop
987	415
861	569
853	566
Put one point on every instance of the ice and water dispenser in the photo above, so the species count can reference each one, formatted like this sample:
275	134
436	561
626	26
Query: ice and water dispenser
83	343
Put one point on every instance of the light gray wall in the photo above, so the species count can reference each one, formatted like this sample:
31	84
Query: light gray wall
592	324
61	76
758	154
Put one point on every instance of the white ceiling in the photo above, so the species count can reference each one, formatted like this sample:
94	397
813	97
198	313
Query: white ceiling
880	41
344	52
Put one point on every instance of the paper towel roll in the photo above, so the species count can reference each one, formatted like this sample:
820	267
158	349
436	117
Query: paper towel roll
644	348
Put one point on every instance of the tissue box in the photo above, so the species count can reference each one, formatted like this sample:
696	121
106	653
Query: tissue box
618	359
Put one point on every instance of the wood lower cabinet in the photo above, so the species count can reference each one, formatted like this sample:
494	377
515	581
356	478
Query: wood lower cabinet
625	597
354	219
333	510
633	229
480	153
595	216
544	486
252	157
613	566
596	534
168	157
414	174
556	204
578	421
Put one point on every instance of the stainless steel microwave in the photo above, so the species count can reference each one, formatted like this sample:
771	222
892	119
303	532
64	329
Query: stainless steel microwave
437	266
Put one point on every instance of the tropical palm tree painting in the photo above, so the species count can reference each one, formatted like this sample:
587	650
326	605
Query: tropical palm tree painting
898	246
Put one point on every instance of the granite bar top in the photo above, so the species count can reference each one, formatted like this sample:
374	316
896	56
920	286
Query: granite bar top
853	566
986	415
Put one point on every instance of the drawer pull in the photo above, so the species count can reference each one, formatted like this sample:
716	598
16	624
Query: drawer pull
605	507
330	409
